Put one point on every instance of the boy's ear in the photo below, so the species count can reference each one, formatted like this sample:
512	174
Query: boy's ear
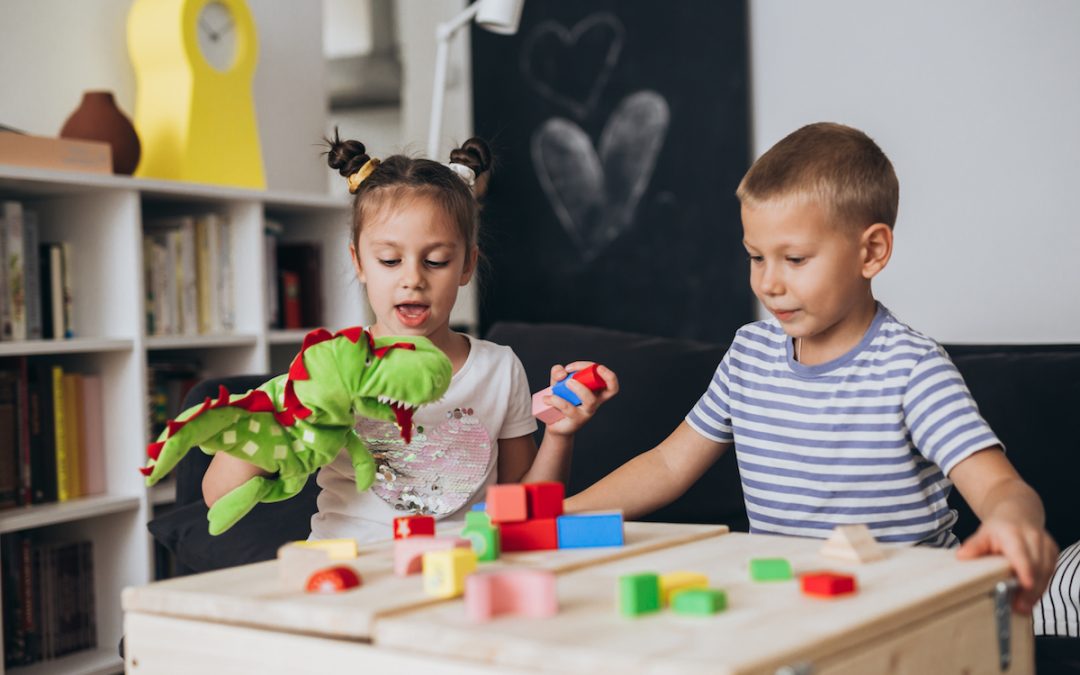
470	265
876	247
356	264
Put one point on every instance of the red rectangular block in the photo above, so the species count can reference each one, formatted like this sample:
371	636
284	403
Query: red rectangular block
541	534
827	584
545	499
408	526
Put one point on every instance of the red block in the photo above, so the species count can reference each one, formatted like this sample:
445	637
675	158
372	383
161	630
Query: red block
407	526
827	584
545	499
333	580
541	534
507	503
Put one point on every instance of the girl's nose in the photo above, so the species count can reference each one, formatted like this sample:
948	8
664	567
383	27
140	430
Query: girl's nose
412	276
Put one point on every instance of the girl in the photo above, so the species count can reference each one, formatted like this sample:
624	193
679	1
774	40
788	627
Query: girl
414	243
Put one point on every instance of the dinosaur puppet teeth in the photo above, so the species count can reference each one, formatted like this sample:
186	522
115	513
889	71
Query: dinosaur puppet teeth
404	415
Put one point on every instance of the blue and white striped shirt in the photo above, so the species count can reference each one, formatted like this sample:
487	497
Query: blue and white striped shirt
866	438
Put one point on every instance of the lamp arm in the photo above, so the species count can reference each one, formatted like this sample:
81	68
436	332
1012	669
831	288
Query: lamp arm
444	32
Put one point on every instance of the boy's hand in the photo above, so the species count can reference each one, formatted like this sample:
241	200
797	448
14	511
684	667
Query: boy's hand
1029	549
575	416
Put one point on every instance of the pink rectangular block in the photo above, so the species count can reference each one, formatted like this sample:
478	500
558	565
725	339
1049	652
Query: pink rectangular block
409	552
520	592
542	411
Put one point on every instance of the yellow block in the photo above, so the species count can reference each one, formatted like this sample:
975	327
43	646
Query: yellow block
445	571
337	549
678	581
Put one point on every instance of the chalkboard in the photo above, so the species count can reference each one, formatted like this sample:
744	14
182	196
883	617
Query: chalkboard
620	131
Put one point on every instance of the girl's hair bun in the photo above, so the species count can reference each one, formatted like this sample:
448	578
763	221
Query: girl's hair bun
345	156
475	154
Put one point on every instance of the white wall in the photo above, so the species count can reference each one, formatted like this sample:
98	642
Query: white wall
53	50
977	103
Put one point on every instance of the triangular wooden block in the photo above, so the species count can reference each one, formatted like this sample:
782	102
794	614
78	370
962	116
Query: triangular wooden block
853	542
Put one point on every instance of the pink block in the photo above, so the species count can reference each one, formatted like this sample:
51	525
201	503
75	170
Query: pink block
520	592
409	552
542	411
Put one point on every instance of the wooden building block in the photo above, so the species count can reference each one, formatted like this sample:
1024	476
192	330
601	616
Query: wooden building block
297	563
770	569
854	543
407	526
483	535
408	552
507	503
698	601
338	549
445	571
677	581
587	530
532	535
519	592
827	584
545	500
333	580
639	594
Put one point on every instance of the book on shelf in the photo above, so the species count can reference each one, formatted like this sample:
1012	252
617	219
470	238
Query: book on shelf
9	439
67	289
65	154
32	269
42	435
304	260
55	297
14	272
91	433
72	425
54	584
272	231
168	382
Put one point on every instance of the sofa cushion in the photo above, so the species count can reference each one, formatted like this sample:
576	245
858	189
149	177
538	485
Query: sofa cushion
660	380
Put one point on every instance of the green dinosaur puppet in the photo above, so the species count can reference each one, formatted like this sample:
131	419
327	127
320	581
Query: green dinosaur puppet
299	421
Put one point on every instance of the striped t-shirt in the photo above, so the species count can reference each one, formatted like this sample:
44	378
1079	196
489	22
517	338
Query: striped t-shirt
866	438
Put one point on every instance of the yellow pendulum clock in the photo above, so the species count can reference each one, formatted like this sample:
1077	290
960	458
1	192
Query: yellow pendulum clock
194	110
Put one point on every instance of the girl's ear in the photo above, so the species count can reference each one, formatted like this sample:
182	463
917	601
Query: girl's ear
470	265
356	263
876	246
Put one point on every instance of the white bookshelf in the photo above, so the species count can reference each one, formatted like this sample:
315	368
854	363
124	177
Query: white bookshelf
102	217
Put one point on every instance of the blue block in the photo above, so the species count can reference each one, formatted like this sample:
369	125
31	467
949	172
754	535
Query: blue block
589	530
479	507
562	391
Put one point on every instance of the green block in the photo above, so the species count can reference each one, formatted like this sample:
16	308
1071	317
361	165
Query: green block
639	594
477	518
770	569
484	538
699	601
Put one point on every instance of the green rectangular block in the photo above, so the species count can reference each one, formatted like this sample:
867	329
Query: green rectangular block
770	569
483	535
639	594
699	601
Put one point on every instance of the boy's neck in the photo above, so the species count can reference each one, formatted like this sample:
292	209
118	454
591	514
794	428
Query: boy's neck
838	339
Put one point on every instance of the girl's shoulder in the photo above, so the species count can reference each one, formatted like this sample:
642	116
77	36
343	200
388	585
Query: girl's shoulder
485	355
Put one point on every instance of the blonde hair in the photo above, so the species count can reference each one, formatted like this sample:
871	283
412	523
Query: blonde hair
840	168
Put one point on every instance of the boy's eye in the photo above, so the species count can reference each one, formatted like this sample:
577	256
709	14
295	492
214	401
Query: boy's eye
389	262
756	258
437	263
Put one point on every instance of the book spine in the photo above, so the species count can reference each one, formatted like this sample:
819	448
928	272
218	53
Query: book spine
42	435
9	439
14	269
5	305
25	496
63	481
56	290
74	442
32	263
68	295
93	442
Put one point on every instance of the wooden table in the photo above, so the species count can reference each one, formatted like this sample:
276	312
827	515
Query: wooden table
918	611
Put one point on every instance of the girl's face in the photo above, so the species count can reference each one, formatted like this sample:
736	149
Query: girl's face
412	260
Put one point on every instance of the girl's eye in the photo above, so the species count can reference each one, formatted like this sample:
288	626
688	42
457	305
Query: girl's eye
795	260
437	263
390	262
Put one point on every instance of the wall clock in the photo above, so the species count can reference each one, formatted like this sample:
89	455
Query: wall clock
194	108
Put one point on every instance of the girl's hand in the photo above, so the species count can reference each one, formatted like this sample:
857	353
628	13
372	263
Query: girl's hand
575	416
1029	549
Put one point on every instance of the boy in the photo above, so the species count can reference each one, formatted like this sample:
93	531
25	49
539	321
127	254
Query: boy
838	412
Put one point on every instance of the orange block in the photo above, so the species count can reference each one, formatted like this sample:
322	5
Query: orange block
507	503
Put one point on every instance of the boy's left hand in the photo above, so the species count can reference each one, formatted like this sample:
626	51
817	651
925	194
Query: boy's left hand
575	416
1029	549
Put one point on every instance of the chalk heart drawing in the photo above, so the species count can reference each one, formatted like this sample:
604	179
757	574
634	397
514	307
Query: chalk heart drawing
570	67
595	191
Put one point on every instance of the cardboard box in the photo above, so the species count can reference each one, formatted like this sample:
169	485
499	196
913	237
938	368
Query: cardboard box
65	154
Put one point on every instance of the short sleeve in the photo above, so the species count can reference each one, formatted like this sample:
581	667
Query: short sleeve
940	414
519	419
711	416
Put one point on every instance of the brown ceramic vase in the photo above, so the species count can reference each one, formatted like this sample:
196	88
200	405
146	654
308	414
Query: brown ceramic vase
98	118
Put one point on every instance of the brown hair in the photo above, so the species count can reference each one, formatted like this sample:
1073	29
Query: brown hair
837	166
399	177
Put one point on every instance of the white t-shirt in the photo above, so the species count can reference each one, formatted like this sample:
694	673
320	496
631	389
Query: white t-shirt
449	463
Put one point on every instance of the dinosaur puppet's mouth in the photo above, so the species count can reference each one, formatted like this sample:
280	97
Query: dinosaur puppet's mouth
404	415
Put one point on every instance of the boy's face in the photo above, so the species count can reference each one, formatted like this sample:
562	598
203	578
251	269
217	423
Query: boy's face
811	274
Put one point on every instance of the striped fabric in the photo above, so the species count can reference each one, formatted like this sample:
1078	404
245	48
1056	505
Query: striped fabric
1058	611
866	438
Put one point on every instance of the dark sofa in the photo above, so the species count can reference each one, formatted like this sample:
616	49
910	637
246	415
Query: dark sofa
1029	394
